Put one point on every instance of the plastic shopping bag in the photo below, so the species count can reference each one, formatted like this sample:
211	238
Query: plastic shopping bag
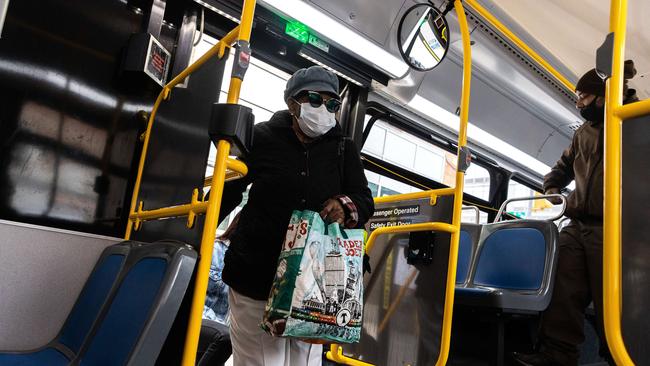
317	293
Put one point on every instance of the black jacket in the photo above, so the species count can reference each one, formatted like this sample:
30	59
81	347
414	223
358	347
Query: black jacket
582	161
286	176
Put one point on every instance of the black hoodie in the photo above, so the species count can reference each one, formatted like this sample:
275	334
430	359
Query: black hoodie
286	175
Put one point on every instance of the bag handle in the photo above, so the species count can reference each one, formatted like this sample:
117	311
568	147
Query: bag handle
341	230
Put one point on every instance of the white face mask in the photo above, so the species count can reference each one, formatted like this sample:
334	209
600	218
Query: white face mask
315	122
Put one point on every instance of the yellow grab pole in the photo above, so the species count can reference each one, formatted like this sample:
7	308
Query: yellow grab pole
519	43
214	205
445	341
143	156
207	245
612	199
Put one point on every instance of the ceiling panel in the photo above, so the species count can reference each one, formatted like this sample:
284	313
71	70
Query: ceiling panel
373	18
573	30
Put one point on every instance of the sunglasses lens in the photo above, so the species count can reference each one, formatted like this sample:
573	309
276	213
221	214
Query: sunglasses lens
315	99
333	105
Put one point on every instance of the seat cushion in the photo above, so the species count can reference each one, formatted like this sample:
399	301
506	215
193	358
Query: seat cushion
47	356
479	296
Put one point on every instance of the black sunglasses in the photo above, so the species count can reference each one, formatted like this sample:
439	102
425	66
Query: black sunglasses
316	100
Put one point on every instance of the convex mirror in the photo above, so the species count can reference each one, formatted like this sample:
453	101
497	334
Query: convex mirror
423	37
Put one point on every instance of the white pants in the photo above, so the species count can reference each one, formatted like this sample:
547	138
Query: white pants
251	346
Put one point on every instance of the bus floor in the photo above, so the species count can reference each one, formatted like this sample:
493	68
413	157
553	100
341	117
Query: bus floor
474	339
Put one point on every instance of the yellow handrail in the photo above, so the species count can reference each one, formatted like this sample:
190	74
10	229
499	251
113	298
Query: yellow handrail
214	205
336	352
173	211
432	194
217	49
633	110
612	199
519	43
425	226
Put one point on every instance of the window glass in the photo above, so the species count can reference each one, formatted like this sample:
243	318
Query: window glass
429	163
469	216
477	182
375	143
412	153
399	150
384	186
540	209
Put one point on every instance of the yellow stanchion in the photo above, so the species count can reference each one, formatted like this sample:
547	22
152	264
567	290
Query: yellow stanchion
214	205
612	201
336	351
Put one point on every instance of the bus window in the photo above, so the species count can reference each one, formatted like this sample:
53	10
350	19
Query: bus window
469	216
477	182
531	209
388	142
384	186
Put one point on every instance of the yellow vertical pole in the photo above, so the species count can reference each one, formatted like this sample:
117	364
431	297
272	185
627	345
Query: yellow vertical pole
212	213
460	182
612	200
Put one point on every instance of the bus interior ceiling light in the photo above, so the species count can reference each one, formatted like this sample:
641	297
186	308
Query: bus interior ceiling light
433	111
340	34
313	57
217	10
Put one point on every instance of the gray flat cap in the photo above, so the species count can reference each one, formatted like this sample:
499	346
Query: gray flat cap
315	78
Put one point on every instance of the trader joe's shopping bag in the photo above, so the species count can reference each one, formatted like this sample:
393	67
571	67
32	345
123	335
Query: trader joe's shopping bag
317	293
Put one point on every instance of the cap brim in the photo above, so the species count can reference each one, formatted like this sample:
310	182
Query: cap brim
317	86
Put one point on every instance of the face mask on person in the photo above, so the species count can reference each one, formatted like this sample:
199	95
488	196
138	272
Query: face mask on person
593	113
315	121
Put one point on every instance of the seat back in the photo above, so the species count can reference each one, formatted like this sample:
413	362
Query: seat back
93	296
136	321
469	237
519	255
512	258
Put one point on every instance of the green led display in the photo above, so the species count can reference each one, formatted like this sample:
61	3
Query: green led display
298	31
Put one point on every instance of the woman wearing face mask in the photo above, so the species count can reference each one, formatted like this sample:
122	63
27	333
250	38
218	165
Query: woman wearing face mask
299	161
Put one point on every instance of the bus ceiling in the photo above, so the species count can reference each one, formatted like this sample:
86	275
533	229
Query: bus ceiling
535	112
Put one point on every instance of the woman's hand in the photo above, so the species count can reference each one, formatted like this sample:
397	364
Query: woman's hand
333	211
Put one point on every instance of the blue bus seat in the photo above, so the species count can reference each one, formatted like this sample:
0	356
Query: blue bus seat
132	321
467	245
82	316
514	268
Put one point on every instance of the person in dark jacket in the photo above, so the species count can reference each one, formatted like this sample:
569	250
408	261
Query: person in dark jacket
579	276
300	160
